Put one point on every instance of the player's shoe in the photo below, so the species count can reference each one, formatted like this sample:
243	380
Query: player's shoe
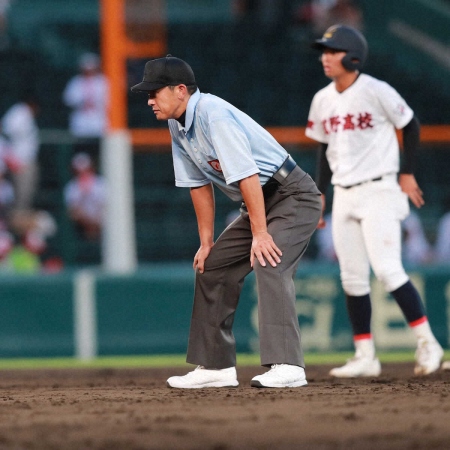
205	378
359	366
445	365
280	376
428	357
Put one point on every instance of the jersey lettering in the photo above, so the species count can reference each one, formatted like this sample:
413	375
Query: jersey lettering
336	123
365	121
348	122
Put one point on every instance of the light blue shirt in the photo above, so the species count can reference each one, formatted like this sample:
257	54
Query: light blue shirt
221	144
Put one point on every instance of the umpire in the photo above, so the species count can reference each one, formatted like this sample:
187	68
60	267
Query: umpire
214	143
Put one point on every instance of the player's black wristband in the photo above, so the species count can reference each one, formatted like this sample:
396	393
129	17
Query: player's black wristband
411	138
323	171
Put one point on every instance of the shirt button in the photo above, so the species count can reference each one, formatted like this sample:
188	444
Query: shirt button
195	149
192	141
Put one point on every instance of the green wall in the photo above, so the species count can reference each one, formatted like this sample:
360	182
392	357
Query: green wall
149	312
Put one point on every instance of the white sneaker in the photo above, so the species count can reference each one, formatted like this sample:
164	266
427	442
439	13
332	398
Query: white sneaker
204	378
279	376
359	366
428	357
445	365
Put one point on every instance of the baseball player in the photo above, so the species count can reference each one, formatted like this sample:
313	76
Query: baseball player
354	118
214	143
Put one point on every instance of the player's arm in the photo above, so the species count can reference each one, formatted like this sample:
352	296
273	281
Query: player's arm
204	206
263	246
407	180
323	178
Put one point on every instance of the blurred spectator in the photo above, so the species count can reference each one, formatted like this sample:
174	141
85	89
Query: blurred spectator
321	14
85	197
324	242
41	221
25	257
6	198
6	245
32	230
87	95
442	245
312	13
415	248
345	12
20	153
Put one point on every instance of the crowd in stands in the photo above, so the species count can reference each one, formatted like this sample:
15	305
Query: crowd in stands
25	230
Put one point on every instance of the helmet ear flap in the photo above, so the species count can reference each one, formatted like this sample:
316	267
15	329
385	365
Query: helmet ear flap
351	62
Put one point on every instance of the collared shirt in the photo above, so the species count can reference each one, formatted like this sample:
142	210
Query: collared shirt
221	144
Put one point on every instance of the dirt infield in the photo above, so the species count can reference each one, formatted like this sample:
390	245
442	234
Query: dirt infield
113	409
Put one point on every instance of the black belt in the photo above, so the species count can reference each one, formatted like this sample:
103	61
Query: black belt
362	182
279	176
286	168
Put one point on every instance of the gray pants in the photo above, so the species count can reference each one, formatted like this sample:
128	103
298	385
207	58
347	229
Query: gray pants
25	184
293	212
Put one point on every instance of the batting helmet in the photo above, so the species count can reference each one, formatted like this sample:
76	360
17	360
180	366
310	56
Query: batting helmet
347	39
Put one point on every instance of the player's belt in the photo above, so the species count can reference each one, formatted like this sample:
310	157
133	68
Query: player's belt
363	182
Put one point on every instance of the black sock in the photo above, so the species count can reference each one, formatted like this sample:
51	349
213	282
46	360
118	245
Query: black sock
409	301
359	312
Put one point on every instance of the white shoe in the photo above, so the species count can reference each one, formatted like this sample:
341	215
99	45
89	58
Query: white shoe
281	375
428	357
445	365
204	378
359	366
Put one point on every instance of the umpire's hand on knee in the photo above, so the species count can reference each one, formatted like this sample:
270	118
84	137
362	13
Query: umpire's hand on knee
200	257
264	248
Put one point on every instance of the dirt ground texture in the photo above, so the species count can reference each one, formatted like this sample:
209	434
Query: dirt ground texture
113	409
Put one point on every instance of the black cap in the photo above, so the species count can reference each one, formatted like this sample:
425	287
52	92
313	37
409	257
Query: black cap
167	71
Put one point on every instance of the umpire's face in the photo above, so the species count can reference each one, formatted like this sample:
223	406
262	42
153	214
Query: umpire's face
168	102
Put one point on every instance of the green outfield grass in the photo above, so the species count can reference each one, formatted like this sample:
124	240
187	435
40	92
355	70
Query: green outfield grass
179	360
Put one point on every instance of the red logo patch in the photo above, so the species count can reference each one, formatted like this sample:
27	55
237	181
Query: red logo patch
215	164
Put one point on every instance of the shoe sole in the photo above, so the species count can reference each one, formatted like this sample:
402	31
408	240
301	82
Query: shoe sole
257	384
372	375
421	370
203	386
